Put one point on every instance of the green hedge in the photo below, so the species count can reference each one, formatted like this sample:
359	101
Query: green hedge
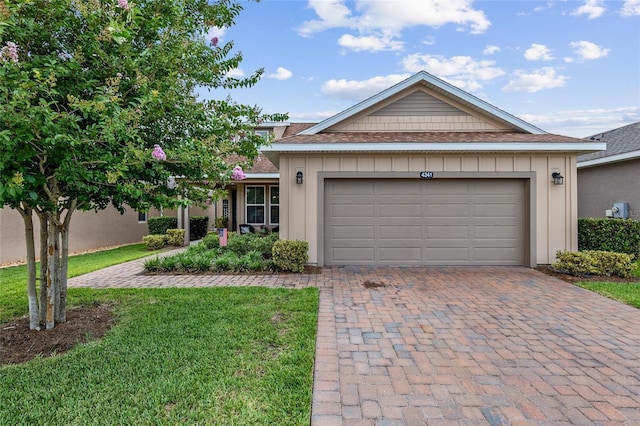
159	225
617	235
198	227
175	237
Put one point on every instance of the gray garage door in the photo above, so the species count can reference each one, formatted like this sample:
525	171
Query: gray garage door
424	222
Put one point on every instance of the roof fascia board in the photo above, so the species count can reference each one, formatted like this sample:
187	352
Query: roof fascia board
632	155
262	175
441	147
424	76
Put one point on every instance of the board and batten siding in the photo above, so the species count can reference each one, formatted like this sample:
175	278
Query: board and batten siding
555	206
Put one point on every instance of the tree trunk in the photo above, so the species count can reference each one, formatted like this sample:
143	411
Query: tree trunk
44	235
32	295
53	249
61	310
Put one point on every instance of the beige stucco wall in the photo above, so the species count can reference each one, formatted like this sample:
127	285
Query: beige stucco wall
555	206
89	230
601	186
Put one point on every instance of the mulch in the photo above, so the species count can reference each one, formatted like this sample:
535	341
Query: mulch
19	344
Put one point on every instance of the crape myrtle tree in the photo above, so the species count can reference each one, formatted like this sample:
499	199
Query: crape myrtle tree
99	107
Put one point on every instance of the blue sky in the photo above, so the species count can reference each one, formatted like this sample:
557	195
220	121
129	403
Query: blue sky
568	67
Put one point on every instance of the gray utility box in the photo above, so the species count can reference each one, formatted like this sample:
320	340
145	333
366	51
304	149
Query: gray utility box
620	210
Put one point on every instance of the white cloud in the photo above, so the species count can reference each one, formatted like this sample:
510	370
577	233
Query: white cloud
490	50
586	122
589	51
235	73
214	32
358	90
538	52
631	8
461	71
371	43
543	78
281	74
389	18
310	117
592	8
332	14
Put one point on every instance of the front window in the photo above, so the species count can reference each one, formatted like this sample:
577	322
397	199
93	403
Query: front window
274	205
255	205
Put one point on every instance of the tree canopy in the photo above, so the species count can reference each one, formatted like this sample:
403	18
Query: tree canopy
99	106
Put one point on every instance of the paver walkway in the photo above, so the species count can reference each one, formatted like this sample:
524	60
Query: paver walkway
416	346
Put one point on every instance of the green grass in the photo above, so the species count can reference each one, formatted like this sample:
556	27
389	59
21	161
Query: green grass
625	292
13	280
239	356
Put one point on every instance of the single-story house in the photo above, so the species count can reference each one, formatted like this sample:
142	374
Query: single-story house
611	178
423	173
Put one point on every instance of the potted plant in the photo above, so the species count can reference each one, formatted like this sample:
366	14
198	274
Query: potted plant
221	222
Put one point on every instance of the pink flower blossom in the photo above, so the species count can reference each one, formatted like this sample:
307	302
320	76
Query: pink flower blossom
214	41
158	153
238	174
123	4
9	52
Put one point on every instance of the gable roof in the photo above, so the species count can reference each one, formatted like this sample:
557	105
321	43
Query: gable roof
623	144
440	86
447	119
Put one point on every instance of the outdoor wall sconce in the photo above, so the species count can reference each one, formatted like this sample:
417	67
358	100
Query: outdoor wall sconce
558	179
299	179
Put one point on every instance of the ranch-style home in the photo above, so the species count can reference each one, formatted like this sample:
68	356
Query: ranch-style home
422	173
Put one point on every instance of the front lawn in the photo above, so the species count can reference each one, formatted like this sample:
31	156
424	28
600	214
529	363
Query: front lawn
13	280
625	292
177	356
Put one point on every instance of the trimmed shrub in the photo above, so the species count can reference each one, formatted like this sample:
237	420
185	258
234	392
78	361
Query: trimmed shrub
617	235
154	242
198	227
175	237
594	262
290	255
159	225
211	241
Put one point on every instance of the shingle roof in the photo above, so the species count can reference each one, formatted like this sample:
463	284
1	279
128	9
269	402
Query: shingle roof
619	141
295	128
424	137
260	165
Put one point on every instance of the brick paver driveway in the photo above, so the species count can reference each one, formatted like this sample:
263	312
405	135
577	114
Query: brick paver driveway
493	346
415	346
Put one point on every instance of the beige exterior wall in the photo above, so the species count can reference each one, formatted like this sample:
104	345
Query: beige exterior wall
555	207
421	123
89	230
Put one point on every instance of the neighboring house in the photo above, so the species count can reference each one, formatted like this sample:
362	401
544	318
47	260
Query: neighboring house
611	176
89	230
424	173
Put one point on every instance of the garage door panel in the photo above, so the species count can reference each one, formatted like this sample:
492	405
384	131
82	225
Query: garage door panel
399	210
352	232
400	232
495	232
446	210
352	210
424	222
495	210
446	255
447	232
347	255
400	254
